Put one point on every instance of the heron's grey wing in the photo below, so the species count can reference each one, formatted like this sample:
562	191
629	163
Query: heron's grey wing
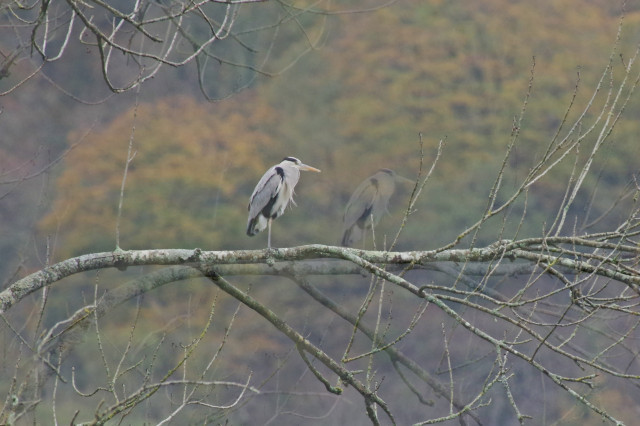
359	208
386	188
360	203
263	195
266	189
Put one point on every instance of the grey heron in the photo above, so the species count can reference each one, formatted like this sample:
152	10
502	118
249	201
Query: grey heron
273	193
367	204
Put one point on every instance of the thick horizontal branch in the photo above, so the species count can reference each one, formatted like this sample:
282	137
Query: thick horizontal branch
251	262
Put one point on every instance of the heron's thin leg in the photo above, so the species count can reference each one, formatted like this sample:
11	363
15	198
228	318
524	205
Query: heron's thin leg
269	234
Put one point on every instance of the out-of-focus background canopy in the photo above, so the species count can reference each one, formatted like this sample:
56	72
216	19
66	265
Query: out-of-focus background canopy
346	86
365	86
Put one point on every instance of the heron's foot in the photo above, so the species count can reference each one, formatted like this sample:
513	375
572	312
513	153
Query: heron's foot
120	263
270	260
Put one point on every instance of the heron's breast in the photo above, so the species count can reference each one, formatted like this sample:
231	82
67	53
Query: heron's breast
284	196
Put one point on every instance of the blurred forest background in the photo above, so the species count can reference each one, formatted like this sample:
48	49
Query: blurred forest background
348	90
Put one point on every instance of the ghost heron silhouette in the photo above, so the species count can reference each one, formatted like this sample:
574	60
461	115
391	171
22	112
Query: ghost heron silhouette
368	203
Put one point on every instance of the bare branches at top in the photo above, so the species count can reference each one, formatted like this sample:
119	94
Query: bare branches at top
135	40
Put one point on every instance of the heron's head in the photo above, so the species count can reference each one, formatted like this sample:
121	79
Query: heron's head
293	161
390	174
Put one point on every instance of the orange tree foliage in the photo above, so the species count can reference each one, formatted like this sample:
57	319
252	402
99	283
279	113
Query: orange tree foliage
462	70
195	165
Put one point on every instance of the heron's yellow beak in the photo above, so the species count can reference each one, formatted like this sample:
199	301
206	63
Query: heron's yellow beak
404	179
308	168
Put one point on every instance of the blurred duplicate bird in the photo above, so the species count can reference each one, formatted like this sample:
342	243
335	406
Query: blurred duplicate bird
273	193
367	205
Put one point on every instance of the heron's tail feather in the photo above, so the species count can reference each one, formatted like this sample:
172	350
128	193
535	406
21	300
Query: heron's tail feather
256	225
351	235
344	242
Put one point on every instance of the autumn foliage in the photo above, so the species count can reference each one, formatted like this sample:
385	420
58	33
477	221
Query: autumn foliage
180	188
